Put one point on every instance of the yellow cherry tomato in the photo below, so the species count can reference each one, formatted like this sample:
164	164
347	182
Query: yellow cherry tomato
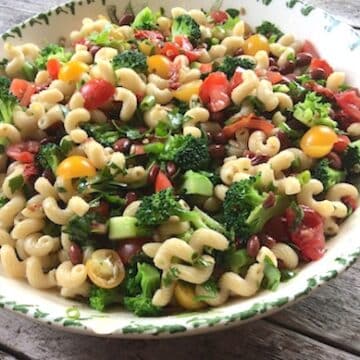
105	268
185	92
318	141
72	71
146	47
185	297
159	65
75	167
256	43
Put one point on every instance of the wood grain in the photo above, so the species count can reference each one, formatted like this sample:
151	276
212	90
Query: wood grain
326	325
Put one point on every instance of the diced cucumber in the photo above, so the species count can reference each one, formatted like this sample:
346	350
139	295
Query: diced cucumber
197	184
125	227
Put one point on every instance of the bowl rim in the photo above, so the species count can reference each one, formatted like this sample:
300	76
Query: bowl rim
196	324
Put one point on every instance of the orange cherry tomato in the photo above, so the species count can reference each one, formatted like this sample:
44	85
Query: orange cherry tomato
318	141
256	43
160	65
72	71
75	167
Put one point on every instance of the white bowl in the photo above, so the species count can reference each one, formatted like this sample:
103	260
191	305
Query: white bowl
337	42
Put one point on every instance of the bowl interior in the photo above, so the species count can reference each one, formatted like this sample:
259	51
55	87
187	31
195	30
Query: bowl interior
335	41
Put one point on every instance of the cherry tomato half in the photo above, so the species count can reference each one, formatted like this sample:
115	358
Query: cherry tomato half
308	47
317	63
162	182
256	43
23	152
96	93
23	90
309	234
53	67
341	144
75	167
105	268
318	141
215	91
349	102
219	16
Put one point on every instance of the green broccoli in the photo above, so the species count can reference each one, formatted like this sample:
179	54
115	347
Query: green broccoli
269	30
29	71
7	101
233	13
50	156
327	175
105	134
132	59
351	159
105	39
188	152
244	212
313	111
185	25
140	286
229	65
49	52
145	20
100	299
272	275
157	208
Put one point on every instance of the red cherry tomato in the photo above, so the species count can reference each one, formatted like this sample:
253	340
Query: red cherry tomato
350	202
317	63
274	77
30	170
341	144
186	47
349	101
23	152
277	228
308	47
236	79
219	16
96	93
215	91
205	68
321	90
128	248
170	50
23	90
309	234
162	182
53	67
151	35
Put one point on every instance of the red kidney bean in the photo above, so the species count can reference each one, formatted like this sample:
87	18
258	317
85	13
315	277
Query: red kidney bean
239	52
284	140
334	160
220	138
171	168
75	254
318	74
253	246
153	172
126	19
303	59
288	68
272	62
209	137
130	197
269	201
48	174
268	241
281	264
122	145
217	151
218	117
273	68
94	49
47	140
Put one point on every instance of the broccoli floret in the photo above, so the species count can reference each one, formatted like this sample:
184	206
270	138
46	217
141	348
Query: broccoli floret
229	65
100	299
50	156
188	152
157	209
105	134
49	52
132	59
269	30
145	20
327	175
351	158
185	25
7	101
140	287
313	111
244	212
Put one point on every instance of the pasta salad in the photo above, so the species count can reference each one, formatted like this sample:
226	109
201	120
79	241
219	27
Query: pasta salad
172	162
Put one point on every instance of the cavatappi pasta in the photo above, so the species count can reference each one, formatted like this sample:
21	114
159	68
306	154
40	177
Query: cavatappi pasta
173	161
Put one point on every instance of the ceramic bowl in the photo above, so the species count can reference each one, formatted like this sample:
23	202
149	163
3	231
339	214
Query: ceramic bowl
336	41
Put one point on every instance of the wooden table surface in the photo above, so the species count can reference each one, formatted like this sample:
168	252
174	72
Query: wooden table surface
326	325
